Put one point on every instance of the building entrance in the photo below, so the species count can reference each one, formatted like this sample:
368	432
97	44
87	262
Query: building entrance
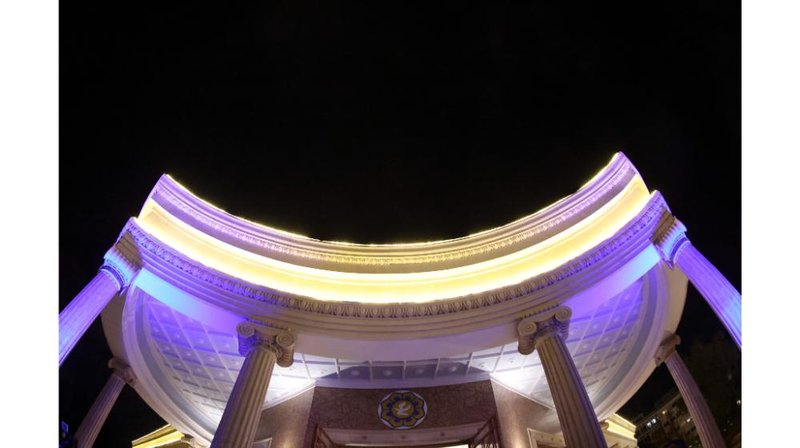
462	436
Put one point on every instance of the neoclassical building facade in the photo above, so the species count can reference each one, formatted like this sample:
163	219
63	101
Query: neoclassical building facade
530	334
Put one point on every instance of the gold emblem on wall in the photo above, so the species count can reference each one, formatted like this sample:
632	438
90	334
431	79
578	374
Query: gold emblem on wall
402	409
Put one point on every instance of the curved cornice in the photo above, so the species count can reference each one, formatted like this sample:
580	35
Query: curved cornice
469	266
395	258
248	299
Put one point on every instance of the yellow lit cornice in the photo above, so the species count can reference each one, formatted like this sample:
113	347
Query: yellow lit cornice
160	437
331	284
619	426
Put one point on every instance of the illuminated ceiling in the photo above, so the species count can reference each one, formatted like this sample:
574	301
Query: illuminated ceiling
198	366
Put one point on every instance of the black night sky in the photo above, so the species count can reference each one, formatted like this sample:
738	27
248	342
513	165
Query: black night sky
392	123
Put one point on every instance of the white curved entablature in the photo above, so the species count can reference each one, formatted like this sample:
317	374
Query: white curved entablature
186	369
297	266
403	305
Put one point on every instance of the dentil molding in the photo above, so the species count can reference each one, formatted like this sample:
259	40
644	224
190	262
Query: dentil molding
637	232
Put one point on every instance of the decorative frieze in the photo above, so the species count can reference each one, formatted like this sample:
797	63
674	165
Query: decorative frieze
632	234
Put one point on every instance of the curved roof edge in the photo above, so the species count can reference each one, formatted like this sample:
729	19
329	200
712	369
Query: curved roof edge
168	195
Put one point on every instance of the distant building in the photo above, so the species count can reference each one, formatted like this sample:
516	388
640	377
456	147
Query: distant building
669	422
671	425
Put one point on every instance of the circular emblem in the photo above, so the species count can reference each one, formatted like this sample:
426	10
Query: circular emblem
402	409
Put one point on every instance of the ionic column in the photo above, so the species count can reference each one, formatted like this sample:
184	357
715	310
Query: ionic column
93	422
116	273
707	428
723	298
546	333
262	347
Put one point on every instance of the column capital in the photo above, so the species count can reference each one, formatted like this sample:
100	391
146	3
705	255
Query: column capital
670	238
122	261
667	348
122	370
254	335
532	329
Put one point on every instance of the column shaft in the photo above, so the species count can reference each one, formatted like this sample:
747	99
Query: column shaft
93	422
76	318
723	298
237	428
707	428
575	412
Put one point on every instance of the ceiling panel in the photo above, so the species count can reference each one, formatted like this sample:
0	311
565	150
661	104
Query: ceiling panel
202	364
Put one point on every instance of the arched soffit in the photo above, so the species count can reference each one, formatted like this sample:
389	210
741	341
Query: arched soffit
396	273
189	368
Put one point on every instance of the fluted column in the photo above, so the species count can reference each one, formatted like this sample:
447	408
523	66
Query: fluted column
262	347
116	273
76	318
707	428
93	422
723	298
546	333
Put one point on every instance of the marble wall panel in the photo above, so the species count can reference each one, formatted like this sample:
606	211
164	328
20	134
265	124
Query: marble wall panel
286	422
517	413
357	409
